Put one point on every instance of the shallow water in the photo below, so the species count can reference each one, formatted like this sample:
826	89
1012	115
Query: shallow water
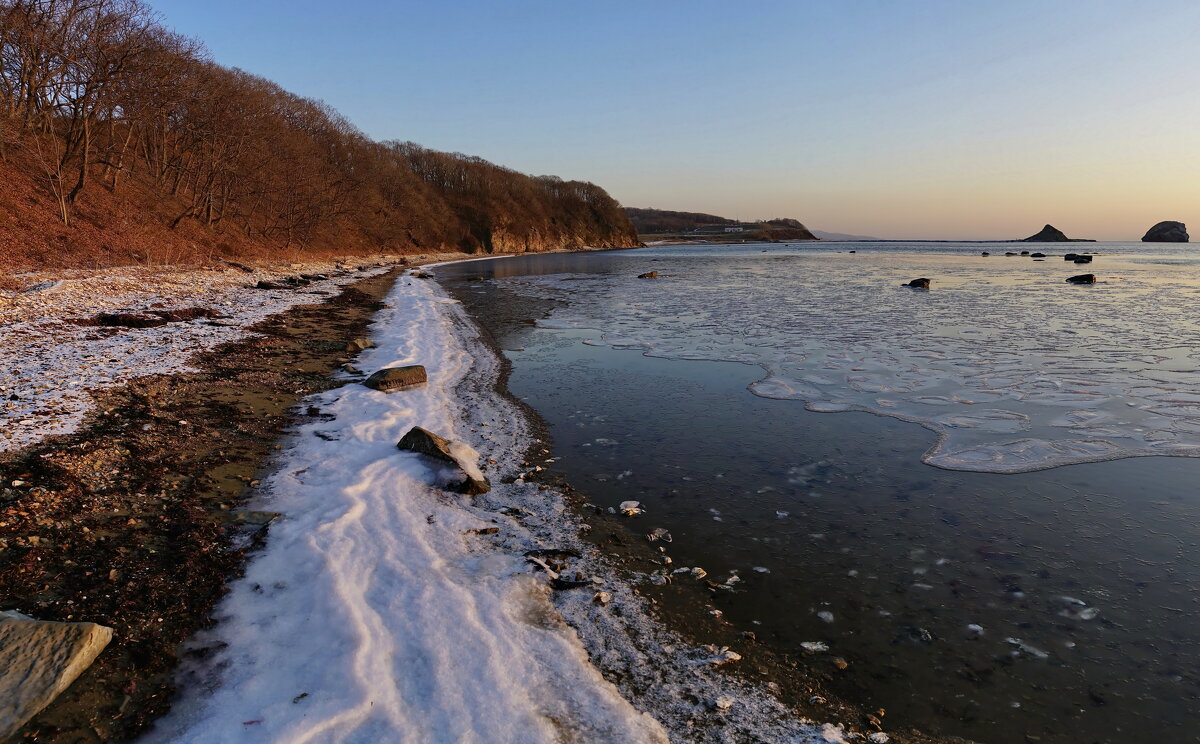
1057	604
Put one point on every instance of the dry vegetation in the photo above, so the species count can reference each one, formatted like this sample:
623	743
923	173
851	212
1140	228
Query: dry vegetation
121	142
661	223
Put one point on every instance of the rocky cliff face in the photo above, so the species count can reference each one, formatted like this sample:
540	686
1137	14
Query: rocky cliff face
1166	232
1049	234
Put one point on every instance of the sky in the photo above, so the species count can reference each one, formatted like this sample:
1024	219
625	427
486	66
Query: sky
942	119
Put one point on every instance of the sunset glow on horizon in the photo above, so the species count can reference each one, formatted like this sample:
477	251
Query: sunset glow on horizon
941	120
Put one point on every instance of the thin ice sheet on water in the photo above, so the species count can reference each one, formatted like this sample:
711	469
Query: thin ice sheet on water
1013	369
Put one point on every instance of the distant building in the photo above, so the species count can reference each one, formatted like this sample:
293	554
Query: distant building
720	229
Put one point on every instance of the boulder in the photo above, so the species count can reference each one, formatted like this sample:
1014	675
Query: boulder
1166	232
648	275
1024	253
985	253
38	660
461	456
264	284
1082	279
921	283
360	344
1037	255
391	379
1082	259
1048	234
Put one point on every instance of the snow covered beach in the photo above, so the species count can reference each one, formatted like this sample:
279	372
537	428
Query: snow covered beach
382	607
386	609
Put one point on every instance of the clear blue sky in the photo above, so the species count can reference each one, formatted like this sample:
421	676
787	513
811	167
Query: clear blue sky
943	119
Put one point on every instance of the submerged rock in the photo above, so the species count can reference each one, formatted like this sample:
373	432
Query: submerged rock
38	661
921	283
1082	279
391	379
1166	232
462	456
648	275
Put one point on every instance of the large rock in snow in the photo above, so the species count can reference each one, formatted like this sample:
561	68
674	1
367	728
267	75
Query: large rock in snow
38	660
391	379
461	456
1166	232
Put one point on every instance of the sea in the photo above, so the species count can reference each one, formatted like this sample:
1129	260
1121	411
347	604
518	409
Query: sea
973	507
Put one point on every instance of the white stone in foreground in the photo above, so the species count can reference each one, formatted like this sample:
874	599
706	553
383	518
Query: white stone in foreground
38	660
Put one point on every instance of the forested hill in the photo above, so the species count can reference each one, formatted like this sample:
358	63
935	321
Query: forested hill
121	141
652	223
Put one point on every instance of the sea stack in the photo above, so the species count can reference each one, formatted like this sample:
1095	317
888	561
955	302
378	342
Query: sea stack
1166	232
1049	234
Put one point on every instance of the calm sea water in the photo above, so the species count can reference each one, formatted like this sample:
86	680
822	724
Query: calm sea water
982	497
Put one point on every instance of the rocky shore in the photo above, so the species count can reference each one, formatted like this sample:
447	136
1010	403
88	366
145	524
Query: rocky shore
134	516
132	520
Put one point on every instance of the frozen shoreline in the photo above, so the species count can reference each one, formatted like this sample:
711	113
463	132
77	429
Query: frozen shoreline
49	363
374	614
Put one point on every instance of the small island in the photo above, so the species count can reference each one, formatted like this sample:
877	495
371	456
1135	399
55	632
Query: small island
1166	232
1051	234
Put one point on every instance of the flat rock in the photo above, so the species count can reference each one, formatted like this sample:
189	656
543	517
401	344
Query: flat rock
38	660
461	456
130	320
254	518
1166	232
1082	279
360	344
391	379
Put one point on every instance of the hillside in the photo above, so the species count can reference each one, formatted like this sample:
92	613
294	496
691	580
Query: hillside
659	224
122	142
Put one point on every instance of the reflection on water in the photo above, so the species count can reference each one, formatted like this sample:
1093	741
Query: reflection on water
1014	369
1057	604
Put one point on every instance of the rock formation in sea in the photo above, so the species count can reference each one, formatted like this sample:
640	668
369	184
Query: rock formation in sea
1166	232
1049	234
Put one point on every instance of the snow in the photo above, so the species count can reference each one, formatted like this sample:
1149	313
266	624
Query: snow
49	365
375	614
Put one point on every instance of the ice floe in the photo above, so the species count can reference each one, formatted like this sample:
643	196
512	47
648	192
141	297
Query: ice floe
842	337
